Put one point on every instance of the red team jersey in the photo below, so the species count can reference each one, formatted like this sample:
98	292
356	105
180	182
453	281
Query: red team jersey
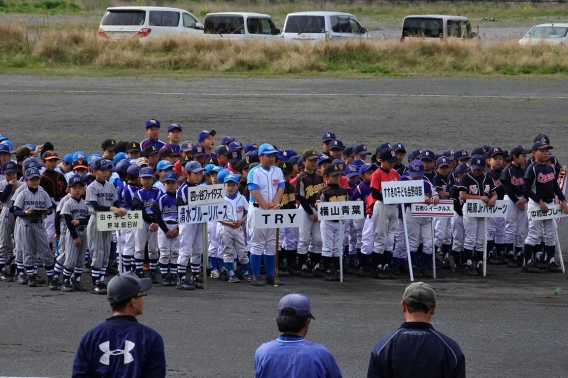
377	178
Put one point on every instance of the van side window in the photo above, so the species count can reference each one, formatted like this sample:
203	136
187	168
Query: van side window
354	25
253	26
458	29
422	27
188	21
164	18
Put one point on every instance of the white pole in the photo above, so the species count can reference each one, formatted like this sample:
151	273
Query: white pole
276	254
433	248
119	251
205	254
559	248
341	233
407	244
485	248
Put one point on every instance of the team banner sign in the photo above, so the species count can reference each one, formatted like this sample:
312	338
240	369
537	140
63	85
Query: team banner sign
445	208
403	191
479	209
554	211
204	195
278	218
341	210
109	221
202	213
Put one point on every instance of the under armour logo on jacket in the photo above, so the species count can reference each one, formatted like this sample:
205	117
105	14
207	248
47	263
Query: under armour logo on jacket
105	348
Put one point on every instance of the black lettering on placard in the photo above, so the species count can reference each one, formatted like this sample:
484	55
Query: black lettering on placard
279	218
292	216
266	218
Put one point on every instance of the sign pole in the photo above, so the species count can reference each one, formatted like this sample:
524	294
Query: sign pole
485	247
341	234
407	245
433	248
559	248
119	251
205	254
276	253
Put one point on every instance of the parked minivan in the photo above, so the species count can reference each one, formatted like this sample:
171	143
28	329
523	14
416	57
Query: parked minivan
240	25
148	22
314	26
435	28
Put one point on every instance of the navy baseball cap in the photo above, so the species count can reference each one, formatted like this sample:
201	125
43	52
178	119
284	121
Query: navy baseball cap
252	157
133	170
198	151
541	146
388	155
352	171
427	154
398	147
541	138
327	137
348	151
227	139
286	167
461	155
186	146
449	154
204	134
194	166
297	302
170	176
232	177
251	147
294	159
323	158
101	165
31	173
122	166
235	144
4	149
126	286
477	162
31	162
336	144
10	167
462	168
76	179
234	155
518	149
146	172
267	149
416	169
443	161
360	149
494	151
221	150
152	122
364	168
381	147
413	154
478	151
174	126
340	163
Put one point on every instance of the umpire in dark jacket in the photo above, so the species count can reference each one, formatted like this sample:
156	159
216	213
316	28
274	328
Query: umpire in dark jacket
416	349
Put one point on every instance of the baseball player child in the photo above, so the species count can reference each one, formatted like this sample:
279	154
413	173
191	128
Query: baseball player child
31	205
443	225
101	196
496	226
361	193
458	233
54	183
7	220
130	188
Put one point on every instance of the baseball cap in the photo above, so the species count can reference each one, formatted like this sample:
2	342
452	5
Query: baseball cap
227	139
76	179
150	150
47	146
333	170
79	155
419	293
443	161
323	158
363	168
152	122
294	159
146	172
163	165
31	173
462	168
351	171
121	146
222	174
221	150
194	166
360	149
11	146
297	302
4	148
494	151
348	151
204	134
286	167
118	157
126	286
93	157
78	164
101	165
31	162
241	165
208	168
185	159
174	126
388	155
50	155
234	155
398	147
10	167
109	144
2	138
68	159
133	146
427	154
232	177
235	144
211	160
165	152
416	169
336	144
251	147
449	154
381	147
267	149
477	162
478	151
142	161
413	154
461	155
309	155
170	176
122	166
133	170
252	157
198	151
328	136
340	163
518	149
542	138
186	146
539	145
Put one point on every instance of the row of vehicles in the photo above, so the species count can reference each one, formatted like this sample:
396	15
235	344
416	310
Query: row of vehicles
151	22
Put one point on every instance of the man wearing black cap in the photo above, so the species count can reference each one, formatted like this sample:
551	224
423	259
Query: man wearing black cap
290	355
122	347
416	349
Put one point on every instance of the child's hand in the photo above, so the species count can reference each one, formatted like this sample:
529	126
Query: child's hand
485	199
30	212
75	222
175	232
153	227
56	236
435	200
492	201
77	242
314	218
15	183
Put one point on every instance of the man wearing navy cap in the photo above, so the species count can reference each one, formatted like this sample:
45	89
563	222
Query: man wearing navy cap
326	139
153	132
122	347
290	355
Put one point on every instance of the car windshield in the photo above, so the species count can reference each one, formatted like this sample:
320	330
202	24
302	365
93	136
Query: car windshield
305	24
224	24
423	27
548	32
124	17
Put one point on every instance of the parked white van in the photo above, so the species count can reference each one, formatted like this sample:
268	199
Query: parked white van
148	22
240	25
554	34
314	26
435	28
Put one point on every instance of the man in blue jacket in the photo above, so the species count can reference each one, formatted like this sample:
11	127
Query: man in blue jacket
290	355
416	349
122	347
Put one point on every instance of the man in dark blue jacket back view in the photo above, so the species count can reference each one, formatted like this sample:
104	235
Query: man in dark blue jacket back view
416	349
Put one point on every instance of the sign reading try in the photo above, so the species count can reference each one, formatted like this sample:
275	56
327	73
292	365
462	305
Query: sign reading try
202	213
403	191
108	221
204	195
479	209
278	218
340	210
445	208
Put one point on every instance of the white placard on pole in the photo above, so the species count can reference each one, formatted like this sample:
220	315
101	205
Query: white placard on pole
278	218
341	210
205	194
479	209
403	191
445	208
108	221
554	211
202	213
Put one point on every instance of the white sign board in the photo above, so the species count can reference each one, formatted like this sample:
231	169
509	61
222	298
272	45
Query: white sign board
554	211
202	213
341	210
403	191
108	221
479	209
445	208
206	194
278	218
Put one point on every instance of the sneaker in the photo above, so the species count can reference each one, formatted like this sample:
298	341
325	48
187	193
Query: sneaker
283	273
362	272
395	270
293	271
318	272
389	273
329	275
306	273
480	270
32	280
554	268
247	277
66	286
426	273
224	276
54	283
530	268
493	260
168	280
380	274
184	285
512	262
256	281
78	286
461	268
99	288
6	277
198	282
40	280
239	275
270	281
471	271
215	273
233	279
354	263
154	277
446	264
541	265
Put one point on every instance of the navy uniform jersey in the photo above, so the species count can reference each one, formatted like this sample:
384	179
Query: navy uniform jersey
441	183
495	176
361	192
127	194
476	185
104	193
353	186
167	207
119	184
145	198
430	176
541	183
401	169
458	202
182	194
513	178
553	162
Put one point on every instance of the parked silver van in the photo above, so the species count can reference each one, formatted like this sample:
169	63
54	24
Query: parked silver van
435	28
316	26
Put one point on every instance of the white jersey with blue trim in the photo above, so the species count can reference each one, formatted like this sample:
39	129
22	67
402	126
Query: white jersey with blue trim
103	193
236	207
266	180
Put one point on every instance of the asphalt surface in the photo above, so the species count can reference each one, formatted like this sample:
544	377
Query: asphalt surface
508	324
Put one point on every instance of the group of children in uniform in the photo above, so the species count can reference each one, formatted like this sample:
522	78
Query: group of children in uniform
46	204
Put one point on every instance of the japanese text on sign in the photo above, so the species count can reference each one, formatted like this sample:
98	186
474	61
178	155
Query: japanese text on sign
278	218
341	210
443	209
403	191
202	213
108	221
479	209
554	211
202	195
